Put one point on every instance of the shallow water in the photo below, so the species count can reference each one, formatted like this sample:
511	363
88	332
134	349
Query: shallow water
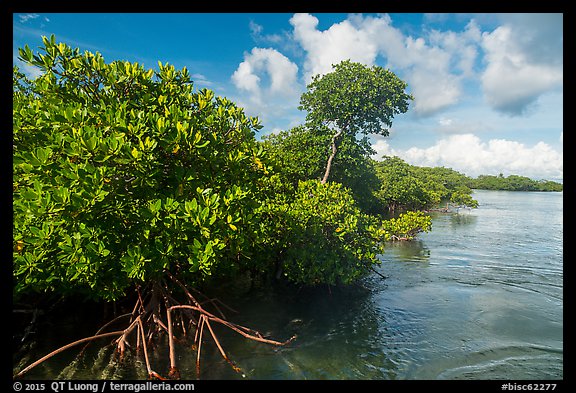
479	297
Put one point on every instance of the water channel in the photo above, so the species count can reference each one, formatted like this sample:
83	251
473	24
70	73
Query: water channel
479	297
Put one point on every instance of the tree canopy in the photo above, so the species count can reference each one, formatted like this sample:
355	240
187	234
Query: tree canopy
124	175
121	174
514	183
353	99
409	187
299	154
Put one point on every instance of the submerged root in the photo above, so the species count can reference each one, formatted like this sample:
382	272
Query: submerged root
105	361
70	370
157	314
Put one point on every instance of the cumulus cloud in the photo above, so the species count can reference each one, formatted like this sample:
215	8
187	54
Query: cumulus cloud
268	83
342	41
462	47
435	65
431	97
433	68
541	45
512	65
522	62
467	154
281	72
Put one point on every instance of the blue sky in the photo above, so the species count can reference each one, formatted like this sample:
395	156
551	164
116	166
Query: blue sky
488	88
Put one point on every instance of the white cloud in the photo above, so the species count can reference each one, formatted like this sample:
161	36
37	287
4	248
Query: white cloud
342	41
433	89
445	122
467	154
255	29
268	84
514	64
522	63
434	70
539	36
31	72
282	73
455	125
26	17
461	47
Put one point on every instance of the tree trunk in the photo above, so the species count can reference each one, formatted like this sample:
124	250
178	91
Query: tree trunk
332	155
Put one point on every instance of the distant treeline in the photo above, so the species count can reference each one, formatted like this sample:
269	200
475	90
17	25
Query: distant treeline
398	185
513	183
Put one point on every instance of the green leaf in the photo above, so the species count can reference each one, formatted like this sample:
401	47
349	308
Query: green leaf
42	154
36	231
28	194
155	206
197	244
161	123
204	213
91	143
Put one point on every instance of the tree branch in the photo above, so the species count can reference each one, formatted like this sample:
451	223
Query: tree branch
329	163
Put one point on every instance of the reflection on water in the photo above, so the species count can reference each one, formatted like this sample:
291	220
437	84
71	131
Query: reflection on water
478	297
463	218
413	251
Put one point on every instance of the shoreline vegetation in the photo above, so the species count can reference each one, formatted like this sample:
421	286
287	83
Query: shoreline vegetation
128	183
513	183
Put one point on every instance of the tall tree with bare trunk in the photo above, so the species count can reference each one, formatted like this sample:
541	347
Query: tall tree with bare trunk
353	99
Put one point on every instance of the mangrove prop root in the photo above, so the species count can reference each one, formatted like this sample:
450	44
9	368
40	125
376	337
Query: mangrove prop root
173	370
102	328
199	345
157	313
174	373
65	347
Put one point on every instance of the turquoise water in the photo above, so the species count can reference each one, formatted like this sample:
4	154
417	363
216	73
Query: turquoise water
479	297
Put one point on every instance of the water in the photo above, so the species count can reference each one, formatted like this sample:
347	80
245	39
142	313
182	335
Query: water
480	297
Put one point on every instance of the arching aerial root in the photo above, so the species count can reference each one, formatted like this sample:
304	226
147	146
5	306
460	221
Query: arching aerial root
156	314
